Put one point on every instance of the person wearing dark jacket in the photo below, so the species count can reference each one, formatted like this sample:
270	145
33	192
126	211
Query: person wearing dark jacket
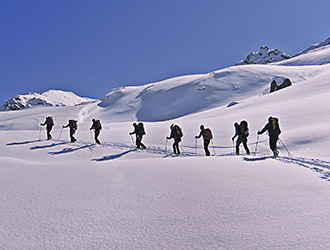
236	126
96	125
243	133
139	132
207	136
274	131
49	126
73	127
176	134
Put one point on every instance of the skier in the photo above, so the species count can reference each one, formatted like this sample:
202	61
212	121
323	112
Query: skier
50	123
243	133
176	134
73	127
139	132
274	130
236	126
207	136
96	125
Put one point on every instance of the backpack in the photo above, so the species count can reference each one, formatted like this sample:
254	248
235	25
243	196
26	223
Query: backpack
178	131
140	129
208	134
73	124
98	125
277	125
50	121
244	131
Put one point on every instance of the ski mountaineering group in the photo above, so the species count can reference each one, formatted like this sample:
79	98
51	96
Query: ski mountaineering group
241	131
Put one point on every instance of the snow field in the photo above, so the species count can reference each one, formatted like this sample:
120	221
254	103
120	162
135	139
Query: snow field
182	203
61	195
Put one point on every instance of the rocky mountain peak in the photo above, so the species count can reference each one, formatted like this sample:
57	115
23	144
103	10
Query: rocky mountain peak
264	56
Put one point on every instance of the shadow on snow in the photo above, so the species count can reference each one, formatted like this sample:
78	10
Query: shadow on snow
22	143
70	150
257	158
48	146
113	157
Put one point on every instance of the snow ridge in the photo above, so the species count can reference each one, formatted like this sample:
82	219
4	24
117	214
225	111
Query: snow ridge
315	46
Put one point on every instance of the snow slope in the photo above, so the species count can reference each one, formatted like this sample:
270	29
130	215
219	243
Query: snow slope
317	56
61	195
185	95
316	46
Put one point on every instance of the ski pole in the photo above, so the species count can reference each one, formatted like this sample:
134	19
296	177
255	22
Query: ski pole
213	147
40	133
60	134
92	136
131	139
182	149
166	145
233	147
196	146
255	151
284	146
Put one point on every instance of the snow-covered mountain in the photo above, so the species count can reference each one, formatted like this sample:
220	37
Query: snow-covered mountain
50	98
316	54
264	56
61	195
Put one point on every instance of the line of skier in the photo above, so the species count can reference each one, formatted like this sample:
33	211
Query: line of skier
73	127
241	131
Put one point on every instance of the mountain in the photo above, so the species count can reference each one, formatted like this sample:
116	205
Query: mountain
316	54
61	195
50	98
264	56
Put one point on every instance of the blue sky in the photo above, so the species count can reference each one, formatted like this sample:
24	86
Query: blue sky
92	46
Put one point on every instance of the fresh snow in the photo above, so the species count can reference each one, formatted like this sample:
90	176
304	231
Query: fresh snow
61	195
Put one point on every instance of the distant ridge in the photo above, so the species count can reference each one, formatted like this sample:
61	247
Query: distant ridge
50	98
267	56
264	56
325	42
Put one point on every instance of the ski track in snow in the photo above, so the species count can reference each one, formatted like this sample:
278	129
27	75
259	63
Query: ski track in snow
120	207
317	165
314	164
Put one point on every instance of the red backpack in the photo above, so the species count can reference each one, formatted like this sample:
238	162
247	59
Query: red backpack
208	134
50	121
244	131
